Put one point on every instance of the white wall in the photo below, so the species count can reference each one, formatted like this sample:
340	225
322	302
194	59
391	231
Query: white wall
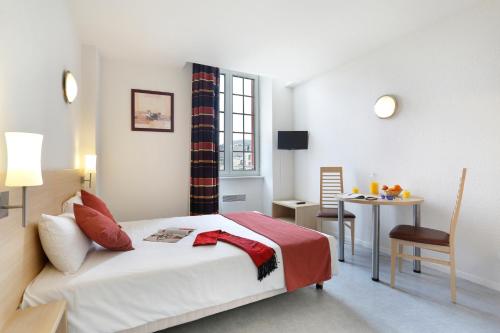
38	43
266	142
143	174
90	93
283	160
447	80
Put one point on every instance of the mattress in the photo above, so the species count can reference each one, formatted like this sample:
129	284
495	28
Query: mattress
162	283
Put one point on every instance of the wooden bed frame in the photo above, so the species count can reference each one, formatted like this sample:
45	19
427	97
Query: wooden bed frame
21	256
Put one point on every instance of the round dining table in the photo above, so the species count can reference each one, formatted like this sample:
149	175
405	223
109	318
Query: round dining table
412	201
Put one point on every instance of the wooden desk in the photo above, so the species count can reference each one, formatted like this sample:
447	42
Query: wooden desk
47	318
415	202
303	215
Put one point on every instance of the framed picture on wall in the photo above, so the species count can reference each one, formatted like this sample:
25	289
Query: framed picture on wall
152	111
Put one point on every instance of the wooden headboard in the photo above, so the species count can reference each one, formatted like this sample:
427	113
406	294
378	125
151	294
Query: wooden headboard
21	256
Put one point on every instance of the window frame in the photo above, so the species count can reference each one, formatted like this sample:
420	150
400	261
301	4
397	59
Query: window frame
228	125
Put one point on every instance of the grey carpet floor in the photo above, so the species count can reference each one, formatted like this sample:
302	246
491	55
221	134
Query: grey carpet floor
352	302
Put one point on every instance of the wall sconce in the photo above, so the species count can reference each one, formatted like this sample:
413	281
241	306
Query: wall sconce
90	167
70	87
385	106
24	154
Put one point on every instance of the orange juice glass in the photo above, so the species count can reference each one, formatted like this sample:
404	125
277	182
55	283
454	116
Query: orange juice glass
355	190
374	188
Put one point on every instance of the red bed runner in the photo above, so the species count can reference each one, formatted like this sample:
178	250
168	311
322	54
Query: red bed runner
306	253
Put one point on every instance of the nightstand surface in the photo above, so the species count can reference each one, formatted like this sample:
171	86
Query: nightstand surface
289	211
46	318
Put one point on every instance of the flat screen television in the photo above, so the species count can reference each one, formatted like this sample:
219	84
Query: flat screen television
292	140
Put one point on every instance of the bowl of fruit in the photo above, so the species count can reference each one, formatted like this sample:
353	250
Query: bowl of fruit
392	191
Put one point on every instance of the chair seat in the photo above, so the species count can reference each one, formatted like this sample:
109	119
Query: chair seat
334	213
420	235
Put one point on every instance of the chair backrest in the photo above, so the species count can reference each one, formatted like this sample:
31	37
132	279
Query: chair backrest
458	203
331	183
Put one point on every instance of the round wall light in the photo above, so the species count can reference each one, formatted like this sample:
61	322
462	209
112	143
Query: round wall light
70	87
385	106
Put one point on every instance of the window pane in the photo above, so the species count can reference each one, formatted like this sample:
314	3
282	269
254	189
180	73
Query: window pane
222	83
237	85
249	161
248	143
237	161
237	104
248	105
221	102
221	121
248	87
237	123
221	161
221	142
237	142
248	124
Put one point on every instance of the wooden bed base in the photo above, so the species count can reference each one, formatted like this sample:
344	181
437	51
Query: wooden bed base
21	256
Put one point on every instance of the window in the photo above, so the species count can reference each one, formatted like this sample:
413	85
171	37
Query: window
238	119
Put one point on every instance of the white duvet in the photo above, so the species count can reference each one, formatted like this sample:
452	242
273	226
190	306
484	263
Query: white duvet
115	291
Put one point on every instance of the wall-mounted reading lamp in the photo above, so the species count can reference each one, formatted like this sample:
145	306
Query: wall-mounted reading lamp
90	167
24	154
70	87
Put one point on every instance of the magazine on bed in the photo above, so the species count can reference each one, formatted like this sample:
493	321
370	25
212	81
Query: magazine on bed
169	235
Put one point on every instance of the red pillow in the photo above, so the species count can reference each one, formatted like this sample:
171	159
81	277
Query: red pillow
101	229
96	203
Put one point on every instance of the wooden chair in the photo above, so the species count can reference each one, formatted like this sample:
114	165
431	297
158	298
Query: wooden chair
331	183
430	239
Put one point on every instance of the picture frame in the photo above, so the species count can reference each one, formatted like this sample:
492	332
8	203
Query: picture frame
152	111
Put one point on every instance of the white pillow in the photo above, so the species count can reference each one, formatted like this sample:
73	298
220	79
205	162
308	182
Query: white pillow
67	206
63	242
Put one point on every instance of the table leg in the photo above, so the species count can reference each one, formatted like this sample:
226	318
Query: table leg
341	230
376	242
416	250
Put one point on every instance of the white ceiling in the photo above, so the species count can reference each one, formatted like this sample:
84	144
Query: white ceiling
291	40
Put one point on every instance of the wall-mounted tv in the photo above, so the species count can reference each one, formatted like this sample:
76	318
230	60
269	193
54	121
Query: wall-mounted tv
292	140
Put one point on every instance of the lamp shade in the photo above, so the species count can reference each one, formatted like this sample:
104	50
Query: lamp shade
24	154
90	163
385	106
70	87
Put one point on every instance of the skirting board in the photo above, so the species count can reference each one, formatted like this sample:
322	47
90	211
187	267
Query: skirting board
461	274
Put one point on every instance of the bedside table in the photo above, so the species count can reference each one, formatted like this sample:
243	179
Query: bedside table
303	215
46	318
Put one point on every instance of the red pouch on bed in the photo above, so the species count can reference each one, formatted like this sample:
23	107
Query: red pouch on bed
101	229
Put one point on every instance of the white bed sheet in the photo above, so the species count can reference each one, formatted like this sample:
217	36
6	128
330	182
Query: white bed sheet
116	291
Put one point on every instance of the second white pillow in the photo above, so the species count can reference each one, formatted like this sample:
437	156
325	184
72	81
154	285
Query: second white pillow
67	206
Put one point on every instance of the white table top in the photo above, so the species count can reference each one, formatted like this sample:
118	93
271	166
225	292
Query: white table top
413	200
293	203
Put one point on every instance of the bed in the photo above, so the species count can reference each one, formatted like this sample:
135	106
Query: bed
160	285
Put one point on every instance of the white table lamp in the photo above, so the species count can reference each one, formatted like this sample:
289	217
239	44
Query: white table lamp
24	154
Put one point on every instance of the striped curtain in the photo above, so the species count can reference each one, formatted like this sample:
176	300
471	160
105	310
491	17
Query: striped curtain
205	141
